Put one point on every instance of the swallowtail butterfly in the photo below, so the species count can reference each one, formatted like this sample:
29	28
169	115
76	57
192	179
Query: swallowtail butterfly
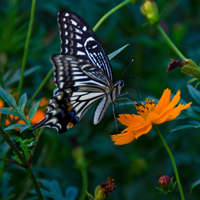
82	74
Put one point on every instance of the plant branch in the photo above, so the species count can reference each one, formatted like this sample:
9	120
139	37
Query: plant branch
34	182
170	43
10	143
40	87
111	12
84	184
26	48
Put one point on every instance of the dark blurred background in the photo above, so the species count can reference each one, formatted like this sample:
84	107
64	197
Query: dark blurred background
136	167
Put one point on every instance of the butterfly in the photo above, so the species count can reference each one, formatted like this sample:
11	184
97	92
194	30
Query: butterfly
82	74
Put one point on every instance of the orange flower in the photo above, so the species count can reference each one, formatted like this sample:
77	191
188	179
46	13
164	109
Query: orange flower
40	114
149	115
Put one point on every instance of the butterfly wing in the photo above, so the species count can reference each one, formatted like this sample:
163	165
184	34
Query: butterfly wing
80	84
82	74
79	40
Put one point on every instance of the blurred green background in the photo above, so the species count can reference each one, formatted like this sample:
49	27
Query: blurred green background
135	167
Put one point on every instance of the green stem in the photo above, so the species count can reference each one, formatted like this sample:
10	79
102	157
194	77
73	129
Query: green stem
111	12
34	182
7	160
28	184
3	163
170	195
1	79
40	87
10	143
26	48
85	184
170	43
173	163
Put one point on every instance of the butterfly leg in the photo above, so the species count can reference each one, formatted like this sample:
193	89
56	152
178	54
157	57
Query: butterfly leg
113	107
122	99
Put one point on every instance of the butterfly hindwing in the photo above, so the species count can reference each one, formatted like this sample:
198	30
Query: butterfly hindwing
84	86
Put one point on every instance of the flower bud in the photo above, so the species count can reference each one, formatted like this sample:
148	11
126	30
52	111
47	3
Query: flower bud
191	69
102	190
79	157
150	11
187	67
165	183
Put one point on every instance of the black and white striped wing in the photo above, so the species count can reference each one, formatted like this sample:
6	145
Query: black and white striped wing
80	84
82	74
79	40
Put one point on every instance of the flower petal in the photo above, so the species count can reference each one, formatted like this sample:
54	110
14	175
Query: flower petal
172	113
174	101
143	130
128	119
128	135
123	138
164	101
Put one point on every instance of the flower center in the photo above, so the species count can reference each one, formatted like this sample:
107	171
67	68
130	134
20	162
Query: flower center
145	109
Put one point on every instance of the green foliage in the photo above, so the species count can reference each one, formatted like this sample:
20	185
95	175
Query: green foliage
53	159
25	146
196	183
18	110
53	191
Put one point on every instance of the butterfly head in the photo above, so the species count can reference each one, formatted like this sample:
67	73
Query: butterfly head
117	87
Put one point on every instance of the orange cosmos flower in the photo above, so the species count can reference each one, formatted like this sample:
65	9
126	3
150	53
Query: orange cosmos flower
149	115
40	114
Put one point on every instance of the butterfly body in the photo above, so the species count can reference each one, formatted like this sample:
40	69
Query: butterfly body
82	74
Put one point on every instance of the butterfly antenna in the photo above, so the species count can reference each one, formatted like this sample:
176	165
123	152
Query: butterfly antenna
127	67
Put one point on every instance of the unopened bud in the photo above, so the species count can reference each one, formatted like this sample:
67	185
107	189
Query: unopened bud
165	183
150	11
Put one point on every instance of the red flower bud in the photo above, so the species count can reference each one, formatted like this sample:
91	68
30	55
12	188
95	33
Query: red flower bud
165	183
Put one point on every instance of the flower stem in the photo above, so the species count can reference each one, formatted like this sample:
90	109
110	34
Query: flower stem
170	43
171	197
34	182
40	87
111	12
173	163
10	143
24	162
1	79
26	48
84	183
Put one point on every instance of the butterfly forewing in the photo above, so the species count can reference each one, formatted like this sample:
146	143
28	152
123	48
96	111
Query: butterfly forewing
78	39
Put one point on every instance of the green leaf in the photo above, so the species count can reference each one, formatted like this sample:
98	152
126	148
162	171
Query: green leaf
14	126
52	189
55	188
24	128
185	127
194	185
90	197
16	76
194	93
71	193
44	192
96	190
113	54
9	99
22	103
8	111
33	110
